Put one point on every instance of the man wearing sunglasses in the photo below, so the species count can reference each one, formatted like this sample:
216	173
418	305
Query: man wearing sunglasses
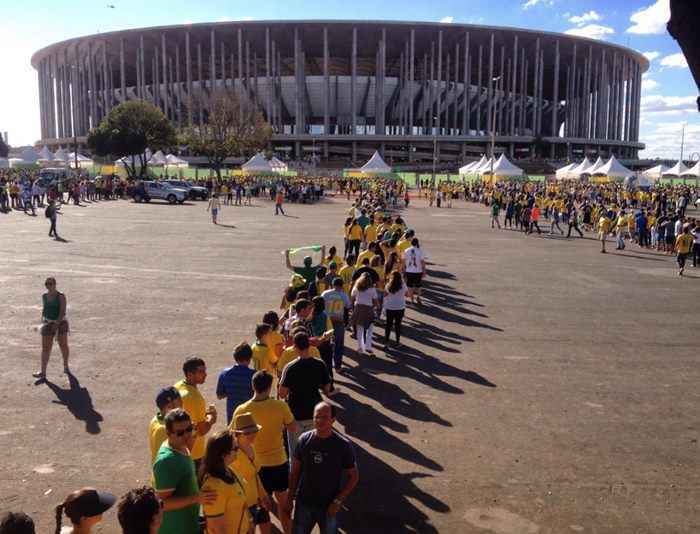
175	477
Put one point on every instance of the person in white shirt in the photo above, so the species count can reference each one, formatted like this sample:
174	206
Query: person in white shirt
414	269
394	305
365	301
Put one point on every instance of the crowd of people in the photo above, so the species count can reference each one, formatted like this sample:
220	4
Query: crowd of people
278	453
657	218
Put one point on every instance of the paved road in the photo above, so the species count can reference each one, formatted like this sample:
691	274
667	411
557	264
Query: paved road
542	387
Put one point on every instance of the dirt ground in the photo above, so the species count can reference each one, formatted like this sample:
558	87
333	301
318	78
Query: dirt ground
542	388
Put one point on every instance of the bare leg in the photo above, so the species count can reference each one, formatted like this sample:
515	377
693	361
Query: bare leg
46	345
65	351
286	520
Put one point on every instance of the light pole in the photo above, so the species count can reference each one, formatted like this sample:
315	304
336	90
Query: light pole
72	112
493	125
682	140
432	184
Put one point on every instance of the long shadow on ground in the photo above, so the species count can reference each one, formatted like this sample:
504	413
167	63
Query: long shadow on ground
79	403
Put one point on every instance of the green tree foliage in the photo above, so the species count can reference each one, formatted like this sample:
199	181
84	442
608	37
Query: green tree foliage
232	128
130	129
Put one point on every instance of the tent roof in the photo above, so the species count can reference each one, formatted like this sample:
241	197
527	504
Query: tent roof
471	167
694	171
71	157
157	159
485	166
503	167
257	163
655	172
579	169
678	169
563	173
593	168
45	154
60	155
375	164
30	155
172	159
613	169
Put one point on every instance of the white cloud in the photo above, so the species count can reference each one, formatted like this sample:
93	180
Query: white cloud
580	20
224	19
248	18
592	31
676	61
447	20
648	84
533	3
651	19
651	56
669	104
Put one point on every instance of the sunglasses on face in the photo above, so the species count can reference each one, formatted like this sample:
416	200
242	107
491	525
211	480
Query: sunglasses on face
188	430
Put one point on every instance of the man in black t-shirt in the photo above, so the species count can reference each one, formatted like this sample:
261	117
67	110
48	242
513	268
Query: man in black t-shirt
299	386
323	459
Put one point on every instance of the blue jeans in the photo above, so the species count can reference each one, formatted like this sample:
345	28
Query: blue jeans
307	517
339	343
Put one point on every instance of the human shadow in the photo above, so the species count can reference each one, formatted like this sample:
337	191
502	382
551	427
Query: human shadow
225	225
635	256
79	403
290	216
385	500
61	240
440	274
449	317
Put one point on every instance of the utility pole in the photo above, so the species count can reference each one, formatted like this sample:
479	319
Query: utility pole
493	125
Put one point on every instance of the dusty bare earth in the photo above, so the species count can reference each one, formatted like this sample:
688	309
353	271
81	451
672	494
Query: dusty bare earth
542	388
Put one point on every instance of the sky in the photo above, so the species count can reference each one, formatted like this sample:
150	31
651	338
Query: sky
668	97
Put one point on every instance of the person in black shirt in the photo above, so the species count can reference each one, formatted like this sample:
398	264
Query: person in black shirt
300	384
323	459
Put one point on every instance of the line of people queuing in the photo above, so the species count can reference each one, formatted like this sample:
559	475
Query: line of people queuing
279	453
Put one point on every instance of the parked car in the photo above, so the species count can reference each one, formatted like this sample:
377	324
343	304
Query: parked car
194	191
159	190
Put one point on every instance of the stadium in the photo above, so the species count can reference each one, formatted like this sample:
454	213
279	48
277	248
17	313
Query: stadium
341	89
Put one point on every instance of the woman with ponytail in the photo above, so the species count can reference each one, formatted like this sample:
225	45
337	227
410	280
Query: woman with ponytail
84	508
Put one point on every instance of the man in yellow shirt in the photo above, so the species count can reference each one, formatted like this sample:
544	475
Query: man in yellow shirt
166	400
684	242
273	416
347	271
203	417
264	357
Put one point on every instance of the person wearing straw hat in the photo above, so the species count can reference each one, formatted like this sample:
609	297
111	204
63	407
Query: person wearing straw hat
258	501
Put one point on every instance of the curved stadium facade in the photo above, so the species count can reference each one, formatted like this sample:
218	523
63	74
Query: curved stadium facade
345	88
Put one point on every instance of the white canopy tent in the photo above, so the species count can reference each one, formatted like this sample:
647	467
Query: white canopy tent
593	168
655	172
503	168
470	168
278	165
485	166
45	154
563	173
613	169
83	161
693	172
579	169
157	159
171	160
375	165
677	170
60	155
257	163
30	155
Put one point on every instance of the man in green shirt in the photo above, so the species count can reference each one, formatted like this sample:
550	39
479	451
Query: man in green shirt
308	271
175	477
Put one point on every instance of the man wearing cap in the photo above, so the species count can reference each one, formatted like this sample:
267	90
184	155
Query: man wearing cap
246	429
166	400
274	417
175	479
322	459
337	308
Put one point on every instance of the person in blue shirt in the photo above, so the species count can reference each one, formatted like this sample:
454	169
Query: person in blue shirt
235	383
642	233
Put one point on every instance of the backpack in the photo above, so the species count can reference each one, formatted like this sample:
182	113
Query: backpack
47	212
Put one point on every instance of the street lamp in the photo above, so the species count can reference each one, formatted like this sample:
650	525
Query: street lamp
682	140
493	124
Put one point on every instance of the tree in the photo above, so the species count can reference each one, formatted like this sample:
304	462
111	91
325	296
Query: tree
130	129
232	128
4	149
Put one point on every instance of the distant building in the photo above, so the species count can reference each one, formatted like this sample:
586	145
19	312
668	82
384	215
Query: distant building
342	89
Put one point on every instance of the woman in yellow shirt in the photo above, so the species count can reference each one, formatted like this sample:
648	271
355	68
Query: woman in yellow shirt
228	514
246	468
